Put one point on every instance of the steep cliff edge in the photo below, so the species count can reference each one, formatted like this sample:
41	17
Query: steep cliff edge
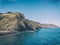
14	21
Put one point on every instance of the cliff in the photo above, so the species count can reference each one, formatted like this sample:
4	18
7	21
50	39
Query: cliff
15	21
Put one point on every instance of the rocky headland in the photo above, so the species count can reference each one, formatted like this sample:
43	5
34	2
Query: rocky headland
15	21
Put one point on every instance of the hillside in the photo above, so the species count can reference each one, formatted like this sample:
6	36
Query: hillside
15	21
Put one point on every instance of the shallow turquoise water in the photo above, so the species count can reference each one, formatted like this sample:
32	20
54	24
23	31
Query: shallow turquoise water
42	37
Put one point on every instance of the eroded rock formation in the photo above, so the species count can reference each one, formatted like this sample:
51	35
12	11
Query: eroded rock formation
14	21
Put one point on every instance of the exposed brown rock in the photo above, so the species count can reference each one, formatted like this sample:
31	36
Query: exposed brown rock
11	22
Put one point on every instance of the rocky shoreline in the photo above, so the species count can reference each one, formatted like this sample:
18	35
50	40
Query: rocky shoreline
16	22
12	33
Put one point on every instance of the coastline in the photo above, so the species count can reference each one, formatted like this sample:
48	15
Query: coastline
7	33
12	33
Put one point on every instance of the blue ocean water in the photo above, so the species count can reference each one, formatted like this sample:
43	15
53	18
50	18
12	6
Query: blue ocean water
45	36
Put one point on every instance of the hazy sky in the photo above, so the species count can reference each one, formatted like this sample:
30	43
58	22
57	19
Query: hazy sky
43	11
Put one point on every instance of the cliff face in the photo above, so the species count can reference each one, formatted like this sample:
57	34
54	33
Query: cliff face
17	22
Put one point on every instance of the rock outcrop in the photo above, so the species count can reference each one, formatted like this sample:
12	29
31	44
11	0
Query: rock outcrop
14	21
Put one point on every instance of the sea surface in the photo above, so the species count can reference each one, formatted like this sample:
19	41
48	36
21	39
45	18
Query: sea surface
46	36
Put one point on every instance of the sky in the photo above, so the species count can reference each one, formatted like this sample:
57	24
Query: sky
43	11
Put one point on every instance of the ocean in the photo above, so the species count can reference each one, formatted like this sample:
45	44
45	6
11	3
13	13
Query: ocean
45	36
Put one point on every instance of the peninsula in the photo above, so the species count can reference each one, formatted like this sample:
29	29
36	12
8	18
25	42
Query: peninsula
15	21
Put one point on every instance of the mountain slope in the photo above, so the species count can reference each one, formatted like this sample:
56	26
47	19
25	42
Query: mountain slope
14	21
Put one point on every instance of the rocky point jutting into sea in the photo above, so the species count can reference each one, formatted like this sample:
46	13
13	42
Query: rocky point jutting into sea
15	21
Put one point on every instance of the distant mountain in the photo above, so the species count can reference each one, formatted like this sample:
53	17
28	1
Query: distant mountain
15	21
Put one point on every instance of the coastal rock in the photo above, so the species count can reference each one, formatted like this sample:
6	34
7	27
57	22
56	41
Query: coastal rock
15	21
